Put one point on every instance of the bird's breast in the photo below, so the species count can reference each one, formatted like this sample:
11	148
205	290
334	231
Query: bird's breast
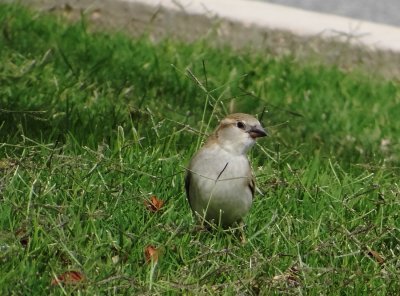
220	182
218	165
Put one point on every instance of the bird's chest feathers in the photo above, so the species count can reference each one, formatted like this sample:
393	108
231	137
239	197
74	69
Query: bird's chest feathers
221	183
219	165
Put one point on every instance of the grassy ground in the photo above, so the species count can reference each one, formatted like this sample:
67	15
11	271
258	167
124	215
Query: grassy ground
92	125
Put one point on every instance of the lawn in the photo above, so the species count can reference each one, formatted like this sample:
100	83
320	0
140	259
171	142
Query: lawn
92	125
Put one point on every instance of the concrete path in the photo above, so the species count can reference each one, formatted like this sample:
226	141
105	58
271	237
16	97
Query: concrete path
243	24
300	22
242	21
378	11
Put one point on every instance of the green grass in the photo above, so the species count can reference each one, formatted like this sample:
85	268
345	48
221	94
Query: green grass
92	125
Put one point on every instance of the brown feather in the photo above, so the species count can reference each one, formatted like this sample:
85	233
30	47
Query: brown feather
252	186
252	181
187	185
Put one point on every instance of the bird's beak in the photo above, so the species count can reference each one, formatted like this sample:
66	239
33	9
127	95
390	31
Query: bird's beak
257	132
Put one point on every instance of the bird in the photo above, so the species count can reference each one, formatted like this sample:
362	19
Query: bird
219	182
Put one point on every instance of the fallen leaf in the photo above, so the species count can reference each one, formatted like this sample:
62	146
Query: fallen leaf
154	204
376	256
151	254
71	277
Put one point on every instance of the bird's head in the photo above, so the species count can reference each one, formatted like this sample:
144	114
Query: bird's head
238	132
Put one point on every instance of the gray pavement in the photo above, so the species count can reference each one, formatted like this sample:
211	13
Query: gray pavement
380	11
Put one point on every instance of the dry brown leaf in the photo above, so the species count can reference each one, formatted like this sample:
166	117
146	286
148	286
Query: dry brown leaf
151	254
376	256
71	277
154	204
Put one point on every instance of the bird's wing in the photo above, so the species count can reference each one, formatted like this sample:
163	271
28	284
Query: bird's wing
252	185
187	184
252	181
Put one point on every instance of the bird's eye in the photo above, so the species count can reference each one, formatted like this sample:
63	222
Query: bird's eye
240	125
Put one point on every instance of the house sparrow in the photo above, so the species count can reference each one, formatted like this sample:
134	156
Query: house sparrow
219	182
